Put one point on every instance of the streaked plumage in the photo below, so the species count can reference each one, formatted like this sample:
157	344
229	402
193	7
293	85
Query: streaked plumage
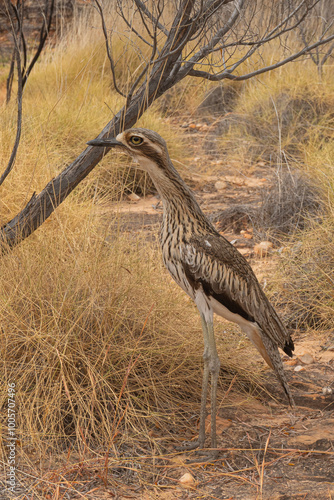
208	268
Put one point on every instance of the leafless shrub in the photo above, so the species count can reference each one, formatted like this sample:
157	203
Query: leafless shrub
306	278
287	206
220	100
235	218
321	21
17	14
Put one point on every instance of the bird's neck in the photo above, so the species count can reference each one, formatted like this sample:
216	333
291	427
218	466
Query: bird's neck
178	200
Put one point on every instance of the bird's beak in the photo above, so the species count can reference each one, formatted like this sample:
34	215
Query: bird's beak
105	143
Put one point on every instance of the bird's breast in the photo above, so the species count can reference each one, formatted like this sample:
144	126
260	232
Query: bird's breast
171	242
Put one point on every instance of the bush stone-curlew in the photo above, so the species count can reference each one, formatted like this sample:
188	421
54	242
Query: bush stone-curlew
208	268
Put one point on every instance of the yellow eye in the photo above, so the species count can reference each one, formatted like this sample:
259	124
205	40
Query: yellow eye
136	140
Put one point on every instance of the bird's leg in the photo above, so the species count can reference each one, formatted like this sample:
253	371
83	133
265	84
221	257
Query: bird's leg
211	366
205	383
199	443
214	366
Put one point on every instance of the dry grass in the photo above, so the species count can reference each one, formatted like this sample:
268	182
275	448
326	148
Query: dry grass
305	281
287	207
79	321
279	115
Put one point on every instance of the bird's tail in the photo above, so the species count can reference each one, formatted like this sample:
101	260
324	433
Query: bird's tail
277	365
270	353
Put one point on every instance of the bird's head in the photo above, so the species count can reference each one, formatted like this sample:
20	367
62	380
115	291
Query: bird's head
146	147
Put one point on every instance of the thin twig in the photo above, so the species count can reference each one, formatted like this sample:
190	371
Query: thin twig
44	33
12	158
108	49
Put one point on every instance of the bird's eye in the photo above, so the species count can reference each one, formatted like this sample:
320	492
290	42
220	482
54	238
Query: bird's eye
136	140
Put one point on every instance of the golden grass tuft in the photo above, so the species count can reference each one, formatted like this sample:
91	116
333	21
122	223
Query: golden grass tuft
87	331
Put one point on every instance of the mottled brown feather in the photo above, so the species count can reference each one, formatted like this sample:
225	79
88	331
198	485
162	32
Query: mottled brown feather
226	275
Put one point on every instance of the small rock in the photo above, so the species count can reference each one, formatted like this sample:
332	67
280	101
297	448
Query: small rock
187	480
248	236
262	249
307	359
220	185
133	197
192	125
327	390
299	368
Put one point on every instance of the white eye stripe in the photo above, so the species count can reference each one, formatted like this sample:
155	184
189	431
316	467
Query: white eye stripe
121	138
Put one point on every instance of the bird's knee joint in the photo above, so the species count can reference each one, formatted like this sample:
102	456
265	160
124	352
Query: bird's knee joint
214	365
206	355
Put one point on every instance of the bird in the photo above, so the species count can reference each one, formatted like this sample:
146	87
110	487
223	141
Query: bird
208	268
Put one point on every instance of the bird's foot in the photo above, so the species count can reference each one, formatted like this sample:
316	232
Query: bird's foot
202	454
189	446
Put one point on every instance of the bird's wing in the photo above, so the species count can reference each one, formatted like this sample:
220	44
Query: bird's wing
212	262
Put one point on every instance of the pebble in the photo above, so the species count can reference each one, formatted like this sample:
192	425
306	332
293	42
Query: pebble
327	390
133	197
299	368
307	359
220	185
187	480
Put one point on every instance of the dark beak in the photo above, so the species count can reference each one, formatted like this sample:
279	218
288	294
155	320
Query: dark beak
105	143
